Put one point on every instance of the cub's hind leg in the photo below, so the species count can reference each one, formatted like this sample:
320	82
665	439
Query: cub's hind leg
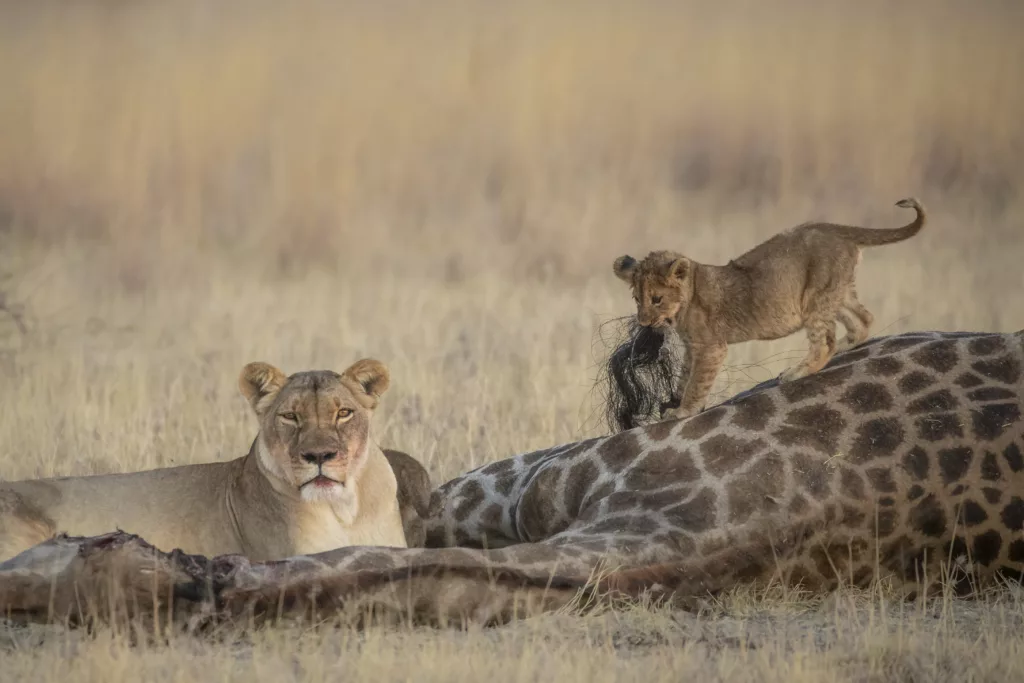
820	325
856	319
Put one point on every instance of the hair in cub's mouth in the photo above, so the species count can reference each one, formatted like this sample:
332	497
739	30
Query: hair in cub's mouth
642	374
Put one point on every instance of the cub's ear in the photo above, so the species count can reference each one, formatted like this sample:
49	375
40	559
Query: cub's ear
259	383
678	269
371	378
624	267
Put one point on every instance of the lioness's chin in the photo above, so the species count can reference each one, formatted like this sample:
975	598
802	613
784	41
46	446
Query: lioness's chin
342	500
322	493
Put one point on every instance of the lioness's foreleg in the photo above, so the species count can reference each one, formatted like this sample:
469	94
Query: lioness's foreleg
706	360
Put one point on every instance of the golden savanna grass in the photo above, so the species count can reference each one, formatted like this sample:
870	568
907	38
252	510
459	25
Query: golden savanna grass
189	186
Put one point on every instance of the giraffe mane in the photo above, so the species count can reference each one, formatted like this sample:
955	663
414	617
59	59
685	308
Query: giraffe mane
639	376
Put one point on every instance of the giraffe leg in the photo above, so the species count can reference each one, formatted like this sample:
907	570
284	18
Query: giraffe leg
707	359
757	554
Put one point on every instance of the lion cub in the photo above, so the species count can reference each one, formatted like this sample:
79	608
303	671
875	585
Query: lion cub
800	278
313	480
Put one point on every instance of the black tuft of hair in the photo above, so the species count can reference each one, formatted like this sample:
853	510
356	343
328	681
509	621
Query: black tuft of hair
641	375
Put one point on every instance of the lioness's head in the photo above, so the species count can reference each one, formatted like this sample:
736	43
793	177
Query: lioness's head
315	426
660	284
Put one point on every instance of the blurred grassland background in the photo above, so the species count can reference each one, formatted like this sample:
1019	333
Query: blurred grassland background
188	186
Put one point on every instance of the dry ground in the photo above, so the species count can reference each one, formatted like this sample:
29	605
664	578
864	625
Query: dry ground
187	187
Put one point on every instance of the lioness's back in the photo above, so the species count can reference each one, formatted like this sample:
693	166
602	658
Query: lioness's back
94	505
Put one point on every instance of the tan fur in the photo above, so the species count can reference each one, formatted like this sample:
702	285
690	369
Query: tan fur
801	278
312	481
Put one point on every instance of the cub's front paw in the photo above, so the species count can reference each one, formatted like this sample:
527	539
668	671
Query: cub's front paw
677	414
793	374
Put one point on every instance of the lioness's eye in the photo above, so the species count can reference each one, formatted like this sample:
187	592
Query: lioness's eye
655	300
344	414
290	417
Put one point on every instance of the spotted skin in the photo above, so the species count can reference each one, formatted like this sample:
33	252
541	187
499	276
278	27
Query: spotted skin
906	451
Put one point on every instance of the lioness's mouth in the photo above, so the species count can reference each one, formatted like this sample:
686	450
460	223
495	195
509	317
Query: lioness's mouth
322	480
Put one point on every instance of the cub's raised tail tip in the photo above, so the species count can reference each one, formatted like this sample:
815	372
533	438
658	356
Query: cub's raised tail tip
909	203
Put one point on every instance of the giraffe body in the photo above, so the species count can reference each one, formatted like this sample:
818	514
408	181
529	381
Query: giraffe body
903	459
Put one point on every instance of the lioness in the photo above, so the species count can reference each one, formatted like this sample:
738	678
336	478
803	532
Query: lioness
803	277
313	480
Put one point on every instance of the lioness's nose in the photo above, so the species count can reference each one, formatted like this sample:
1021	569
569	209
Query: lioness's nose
319	458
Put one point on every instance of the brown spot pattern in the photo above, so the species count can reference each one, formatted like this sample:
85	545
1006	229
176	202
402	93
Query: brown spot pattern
537	512
619	450
986	547
934	402
886	366
954	463
580	479
1013	457
812	475
940	356
992	495
471	495
1004	369
851	484
753	412
876	438
986	346
928	517
991	394
758	489
881	479
723	453
815	426
990	421
968	380
816	384
915	381
939	426
695	515
867	397
702	423
661	467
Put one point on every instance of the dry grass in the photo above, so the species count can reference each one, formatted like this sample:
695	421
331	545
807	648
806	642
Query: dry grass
189	186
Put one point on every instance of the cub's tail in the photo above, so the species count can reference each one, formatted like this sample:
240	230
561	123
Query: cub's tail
873	237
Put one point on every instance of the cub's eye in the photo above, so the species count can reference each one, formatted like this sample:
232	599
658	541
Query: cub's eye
289	417
655	300
344	414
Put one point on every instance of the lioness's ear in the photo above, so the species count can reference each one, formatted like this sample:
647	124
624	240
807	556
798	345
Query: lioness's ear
624	268
678	269
372	377
260	382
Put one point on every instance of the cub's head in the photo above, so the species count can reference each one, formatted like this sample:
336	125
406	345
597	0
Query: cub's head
315	426
661	285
